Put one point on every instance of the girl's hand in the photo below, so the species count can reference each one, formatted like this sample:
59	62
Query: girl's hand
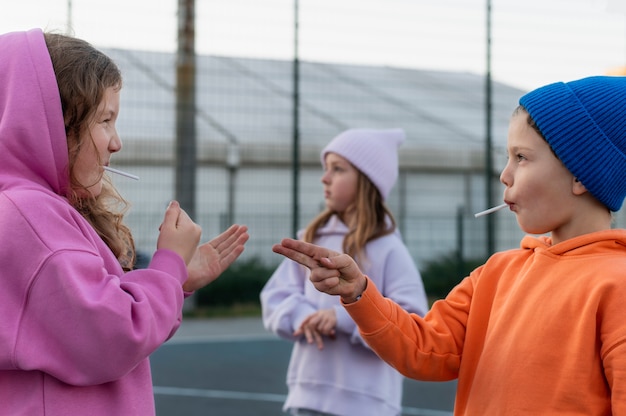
331	272
212	258
318	324
178	232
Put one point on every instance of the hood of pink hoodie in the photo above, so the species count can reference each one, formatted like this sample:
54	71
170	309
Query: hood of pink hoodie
33	144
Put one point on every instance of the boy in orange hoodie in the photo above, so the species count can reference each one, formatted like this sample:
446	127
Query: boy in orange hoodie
540	329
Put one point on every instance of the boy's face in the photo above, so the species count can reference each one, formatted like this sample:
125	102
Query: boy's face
539	188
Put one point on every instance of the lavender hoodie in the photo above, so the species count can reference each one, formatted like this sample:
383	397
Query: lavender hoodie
345	378
75	330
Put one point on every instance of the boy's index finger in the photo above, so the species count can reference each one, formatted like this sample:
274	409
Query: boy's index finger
295	255
308	249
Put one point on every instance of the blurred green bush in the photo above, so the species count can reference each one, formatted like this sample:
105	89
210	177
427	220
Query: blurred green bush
442	274
240	284
237	290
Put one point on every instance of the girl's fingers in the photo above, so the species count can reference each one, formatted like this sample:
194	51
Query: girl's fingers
170	219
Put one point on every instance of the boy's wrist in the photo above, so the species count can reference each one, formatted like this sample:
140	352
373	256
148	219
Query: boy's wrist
357	294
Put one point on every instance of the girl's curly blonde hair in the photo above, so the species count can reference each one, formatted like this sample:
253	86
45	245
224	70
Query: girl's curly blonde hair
83	74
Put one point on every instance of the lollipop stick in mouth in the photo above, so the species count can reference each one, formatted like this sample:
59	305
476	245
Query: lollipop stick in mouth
490	210
121	172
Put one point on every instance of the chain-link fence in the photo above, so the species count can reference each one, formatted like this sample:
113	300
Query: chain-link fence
418	65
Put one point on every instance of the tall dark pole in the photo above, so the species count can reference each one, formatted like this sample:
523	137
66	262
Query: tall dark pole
488	145
232	164
296	128
185	182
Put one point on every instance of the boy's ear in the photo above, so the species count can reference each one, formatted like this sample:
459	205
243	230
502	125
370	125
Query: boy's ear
577	187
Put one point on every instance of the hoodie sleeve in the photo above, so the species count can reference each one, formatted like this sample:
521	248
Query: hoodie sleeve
283	300
393	271
84	326
427	348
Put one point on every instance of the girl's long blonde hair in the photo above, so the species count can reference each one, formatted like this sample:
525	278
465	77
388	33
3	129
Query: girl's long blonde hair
83	74
370	218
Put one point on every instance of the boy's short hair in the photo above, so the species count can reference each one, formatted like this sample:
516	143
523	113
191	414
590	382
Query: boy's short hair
584	122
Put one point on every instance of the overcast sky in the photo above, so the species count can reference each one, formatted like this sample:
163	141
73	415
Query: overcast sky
534	41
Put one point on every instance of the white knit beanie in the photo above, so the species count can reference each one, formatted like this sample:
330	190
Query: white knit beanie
373	152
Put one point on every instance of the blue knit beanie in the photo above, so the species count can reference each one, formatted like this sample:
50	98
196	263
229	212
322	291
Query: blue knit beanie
584	122
373	152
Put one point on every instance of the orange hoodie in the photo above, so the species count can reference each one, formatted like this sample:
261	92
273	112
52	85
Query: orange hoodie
534	331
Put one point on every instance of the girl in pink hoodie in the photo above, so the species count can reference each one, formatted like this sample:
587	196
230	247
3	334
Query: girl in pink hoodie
78	323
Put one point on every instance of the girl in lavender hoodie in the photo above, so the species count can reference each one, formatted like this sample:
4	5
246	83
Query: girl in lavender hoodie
332	371
78	324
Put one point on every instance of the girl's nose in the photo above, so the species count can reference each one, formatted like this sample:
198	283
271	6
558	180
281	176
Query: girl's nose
115	145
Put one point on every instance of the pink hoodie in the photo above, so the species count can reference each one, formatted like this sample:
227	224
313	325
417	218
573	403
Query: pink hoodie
76	331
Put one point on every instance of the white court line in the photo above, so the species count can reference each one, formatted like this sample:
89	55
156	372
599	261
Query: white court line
219	394
195	339
267	397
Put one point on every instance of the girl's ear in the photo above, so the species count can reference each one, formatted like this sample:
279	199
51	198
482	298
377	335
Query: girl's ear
577	187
